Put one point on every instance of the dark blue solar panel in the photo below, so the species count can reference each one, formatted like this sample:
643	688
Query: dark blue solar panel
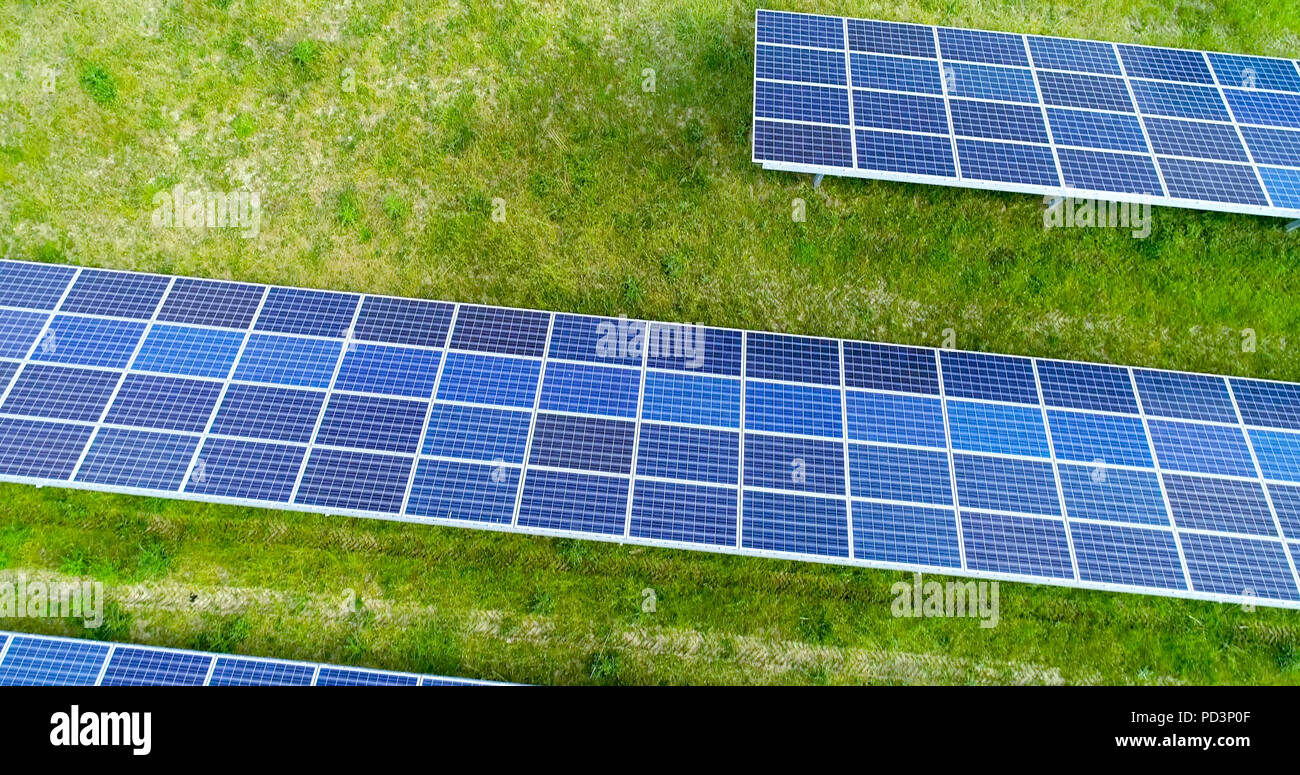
34	661
993	377
906	112
800	29
607	341
1084	56
1172	137
478	492
1202	449
895	474
827	146
675	511
145	459
692	454
1112	495
1266	108
1283	186
998	121
1165	64
211	303
288	360
165	403
246	469
1186	396
364	481
489	379
898	152
991	83
798	102
1158	98
1002	430
1099	438
1239	566
1286	504
396	371
893	73
696	349
235	671
193	352
7	371
1077	90
782	522
799	465
273	413
563	500
1141	557
573	387
584	443
687	398
799	64
338	676
793	359
314	313
895	419
1004	484
1278	453
1098	171
18	332
367	422
890	367
60	392
38	448
1255	72
89	342
1021	545
1032	165
1226	505
997	48
118	294
477	433
1096	130
403	321
1086	386
1269	404
497	330
913	535
35	286
131	666
1272	146
891	38
803	409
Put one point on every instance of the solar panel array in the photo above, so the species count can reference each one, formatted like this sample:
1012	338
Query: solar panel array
1030	113
750	443
42	660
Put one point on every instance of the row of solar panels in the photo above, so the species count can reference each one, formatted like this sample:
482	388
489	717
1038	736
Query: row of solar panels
1027	113
744	442
42	660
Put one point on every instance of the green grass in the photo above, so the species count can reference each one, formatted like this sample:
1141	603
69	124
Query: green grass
381	136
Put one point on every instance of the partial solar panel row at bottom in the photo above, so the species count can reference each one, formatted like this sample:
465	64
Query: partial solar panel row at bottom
42	660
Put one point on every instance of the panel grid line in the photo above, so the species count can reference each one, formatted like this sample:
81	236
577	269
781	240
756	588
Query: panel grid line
1160	480
99	679
952	466
428	411
853	124
636	431
532	424
740	477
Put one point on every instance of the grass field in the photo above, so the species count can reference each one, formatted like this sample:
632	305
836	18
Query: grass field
382	136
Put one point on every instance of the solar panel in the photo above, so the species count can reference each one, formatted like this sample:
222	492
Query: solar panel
992	466
1028	113
43	660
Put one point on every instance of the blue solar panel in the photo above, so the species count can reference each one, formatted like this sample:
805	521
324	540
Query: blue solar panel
1264	108
900	112
164	403
892	419
779	408
694	349
364	481
1212	181
1021	545
89	342
890	367
341	676
1083	56
497	330
797	29
1286	504
314	313
910	535
1112	495
236	671
800	465
1185	396
478	492
36	661
1030	165
693	454
35	286
1098	171
784	522
871	71
798	102
583	443
1228	565
574	387
792	358
1105	131
119	294
246	469
827	146
998	48
1226	505
1086	386
1252	72
60	393
607	341
211	303
991	377
561	500
143	459
998	121
1005	484
38	448
489	379
892	473
1165	64
1080	90
1283	186
1272	146
265	412
395	371
1113	554
982	82
686	398
477	433
1278	453
367	422
1176	100
899	152
403	321
192	352
1099	439
7	371
131	666
288	360
891	38
1203	449
782	63
18	332
1001	430
1268	404
1173	137
677	511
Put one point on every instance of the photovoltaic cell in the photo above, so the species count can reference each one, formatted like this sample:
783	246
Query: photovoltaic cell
573	387
394	371
497	330
802	409
1264	108
236	671
1099	439
998	121
827	146
471	491
1030	165
900	112
678	511
797	29
132	666
40	448
891	38
60	393
192	352
288	360
1086	386
1115	554
910	535
477	433
118	294
1252	72
792	358
35	661
990	377
692	454
89	342
604	341
871	71
211	303
1023	545
781	63
1006	484
1268	404
687	398
1185	396
1272	146
1286	503
982	82
34	286
1001	430
561	500
1278	454
403	321
18	332
1229	565
817	104
694	349
893	419
901	152
164	403
1173	137
997	48
889	367
785	522
583	443
364	481
1079	90
313	313
1204	449
799	465
489	379
140	459
367	422
254	470
892	473
265	412
1104	131
1112	495
342	676
1165	64
1082	56
1099	171
1226	505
